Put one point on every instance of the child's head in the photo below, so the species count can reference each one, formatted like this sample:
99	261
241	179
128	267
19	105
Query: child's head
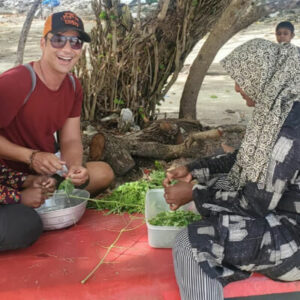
284	32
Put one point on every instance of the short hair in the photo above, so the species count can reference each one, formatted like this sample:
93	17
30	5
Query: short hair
286	24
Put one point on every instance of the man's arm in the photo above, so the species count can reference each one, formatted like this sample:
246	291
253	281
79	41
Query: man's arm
11	151
42	162
72	150
70	142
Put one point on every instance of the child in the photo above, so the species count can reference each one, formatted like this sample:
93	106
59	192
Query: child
30	190
284	32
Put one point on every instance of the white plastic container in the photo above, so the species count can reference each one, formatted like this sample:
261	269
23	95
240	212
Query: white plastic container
161	236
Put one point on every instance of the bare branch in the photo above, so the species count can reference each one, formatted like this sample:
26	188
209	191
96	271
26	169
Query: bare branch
163	11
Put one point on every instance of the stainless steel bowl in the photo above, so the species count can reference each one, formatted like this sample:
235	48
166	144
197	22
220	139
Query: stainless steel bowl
61	210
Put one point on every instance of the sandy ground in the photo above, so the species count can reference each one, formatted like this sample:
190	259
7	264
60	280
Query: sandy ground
217	102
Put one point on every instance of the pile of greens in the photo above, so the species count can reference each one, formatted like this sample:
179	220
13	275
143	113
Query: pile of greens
178	218
130	196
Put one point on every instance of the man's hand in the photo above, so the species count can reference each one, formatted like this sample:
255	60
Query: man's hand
78	175
181	173
46	163
179	194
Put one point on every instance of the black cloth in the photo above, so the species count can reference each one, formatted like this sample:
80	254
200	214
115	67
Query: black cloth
20	226
253	229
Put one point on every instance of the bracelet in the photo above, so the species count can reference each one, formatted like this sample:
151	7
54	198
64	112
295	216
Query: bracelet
31	158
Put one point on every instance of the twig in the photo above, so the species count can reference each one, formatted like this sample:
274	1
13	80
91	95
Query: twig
109	249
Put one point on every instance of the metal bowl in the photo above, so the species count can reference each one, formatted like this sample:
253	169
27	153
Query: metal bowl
61	210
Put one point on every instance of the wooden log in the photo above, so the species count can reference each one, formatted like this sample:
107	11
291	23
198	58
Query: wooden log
113	152
158	141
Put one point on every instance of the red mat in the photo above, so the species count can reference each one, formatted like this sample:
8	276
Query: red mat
55	265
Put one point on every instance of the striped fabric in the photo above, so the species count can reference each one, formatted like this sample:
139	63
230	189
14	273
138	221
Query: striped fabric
193	283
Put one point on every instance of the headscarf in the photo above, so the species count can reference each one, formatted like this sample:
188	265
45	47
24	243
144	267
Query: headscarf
269	74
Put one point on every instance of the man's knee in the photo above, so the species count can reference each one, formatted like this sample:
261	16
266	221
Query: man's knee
20	226
101	176
109	173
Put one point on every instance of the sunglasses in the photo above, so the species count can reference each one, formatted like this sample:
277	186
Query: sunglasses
59	41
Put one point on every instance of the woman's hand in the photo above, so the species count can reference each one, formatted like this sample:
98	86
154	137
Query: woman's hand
33	197
179	194
36	190
181	173
46	183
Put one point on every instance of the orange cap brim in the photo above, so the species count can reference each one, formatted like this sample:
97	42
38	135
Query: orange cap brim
47	26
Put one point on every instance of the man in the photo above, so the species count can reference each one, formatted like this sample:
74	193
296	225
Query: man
27	130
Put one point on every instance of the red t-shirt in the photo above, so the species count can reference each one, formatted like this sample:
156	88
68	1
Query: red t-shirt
33	124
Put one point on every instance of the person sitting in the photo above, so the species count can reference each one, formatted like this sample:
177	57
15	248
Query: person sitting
20	225
27	130
249	199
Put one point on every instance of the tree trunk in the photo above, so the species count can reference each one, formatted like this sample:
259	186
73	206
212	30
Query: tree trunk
237	16
25	31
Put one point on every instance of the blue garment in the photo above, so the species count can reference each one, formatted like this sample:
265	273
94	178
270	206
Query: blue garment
51	3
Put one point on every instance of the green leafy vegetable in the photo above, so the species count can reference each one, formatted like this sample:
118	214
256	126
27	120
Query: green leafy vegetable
155	179
158	166
130	196
67	186
178	218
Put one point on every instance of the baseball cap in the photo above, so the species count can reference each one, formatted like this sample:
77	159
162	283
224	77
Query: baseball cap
64	21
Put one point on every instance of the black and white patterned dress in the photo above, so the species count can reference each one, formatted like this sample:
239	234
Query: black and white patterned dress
251	229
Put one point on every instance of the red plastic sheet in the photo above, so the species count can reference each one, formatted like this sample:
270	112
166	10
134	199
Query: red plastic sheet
55	265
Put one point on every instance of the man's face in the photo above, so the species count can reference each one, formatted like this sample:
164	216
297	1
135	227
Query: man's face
284	35
63	59
249	101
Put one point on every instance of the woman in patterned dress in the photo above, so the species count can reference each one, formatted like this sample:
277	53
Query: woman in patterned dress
249	199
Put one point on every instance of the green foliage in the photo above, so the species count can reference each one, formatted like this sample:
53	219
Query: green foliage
158	166
130	196
156	178
195	2
162	67
103	15
67	186
119	101
213	96
113	17
178	218
141	112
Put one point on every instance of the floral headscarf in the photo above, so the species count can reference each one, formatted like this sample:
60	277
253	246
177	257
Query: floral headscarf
269	74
